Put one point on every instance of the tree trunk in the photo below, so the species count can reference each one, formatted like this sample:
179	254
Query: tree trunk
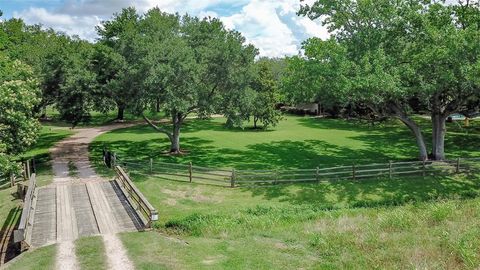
121	112
438	136
157	105
175	138
417	132
175	142
255	119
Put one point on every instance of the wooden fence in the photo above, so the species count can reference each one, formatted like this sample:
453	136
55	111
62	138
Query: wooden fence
144	209
23	233
234	178
28	167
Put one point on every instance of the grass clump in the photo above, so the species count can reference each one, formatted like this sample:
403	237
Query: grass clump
90	252
72	169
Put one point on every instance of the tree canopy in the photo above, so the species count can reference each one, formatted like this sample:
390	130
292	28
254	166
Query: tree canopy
188	65
386	53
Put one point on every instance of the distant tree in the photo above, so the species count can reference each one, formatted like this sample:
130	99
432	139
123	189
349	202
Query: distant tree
43	50
312	79
265	92
77	95
390	52
19	94
121	34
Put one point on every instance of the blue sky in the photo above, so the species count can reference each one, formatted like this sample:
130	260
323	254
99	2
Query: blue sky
271	25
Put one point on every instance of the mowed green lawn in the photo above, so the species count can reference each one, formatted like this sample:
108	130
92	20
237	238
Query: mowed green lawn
297	142
429	222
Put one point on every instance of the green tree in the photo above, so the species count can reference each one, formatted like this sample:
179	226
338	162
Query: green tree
320	77
265	87
118	67
43	50
191	65
19	94
78	91
397	51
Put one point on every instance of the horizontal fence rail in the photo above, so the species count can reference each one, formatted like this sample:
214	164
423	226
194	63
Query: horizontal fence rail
234	178
23	233
142	206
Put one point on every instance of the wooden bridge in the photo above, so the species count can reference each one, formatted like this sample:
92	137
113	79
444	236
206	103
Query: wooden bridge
66	211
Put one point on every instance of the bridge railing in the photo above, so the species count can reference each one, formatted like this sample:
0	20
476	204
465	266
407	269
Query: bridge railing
142	206
23	233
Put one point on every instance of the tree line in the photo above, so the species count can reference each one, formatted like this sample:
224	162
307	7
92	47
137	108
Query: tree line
156	61
387	58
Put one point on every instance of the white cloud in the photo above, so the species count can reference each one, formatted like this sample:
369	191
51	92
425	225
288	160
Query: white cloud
271	25
83	26
274	27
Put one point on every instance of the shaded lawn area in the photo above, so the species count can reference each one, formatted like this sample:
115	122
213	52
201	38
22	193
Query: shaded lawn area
97	118
49	135
297	142
10	212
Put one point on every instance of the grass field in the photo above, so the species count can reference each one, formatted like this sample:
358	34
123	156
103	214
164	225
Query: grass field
404	223
435	235
297	142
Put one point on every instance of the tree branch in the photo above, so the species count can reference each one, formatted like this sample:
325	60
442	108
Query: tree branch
157	128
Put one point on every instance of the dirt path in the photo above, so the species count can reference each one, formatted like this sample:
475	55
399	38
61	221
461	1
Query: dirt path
73	152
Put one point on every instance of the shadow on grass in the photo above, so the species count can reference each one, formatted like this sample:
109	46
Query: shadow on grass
373	192
285	154
8	249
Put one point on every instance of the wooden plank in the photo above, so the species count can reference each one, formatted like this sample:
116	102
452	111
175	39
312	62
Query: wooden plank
44	229
66	221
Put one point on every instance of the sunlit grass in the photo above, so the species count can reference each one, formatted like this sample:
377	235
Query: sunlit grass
411	222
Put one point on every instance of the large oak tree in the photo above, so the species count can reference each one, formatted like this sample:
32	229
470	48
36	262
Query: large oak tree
386	53
191	65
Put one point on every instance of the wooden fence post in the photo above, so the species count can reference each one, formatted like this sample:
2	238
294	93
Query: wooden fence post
151	165
34	167
12	180
190	170
317	176
390	169
114	160
424	168
457	167
232	179
28	169
354	172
